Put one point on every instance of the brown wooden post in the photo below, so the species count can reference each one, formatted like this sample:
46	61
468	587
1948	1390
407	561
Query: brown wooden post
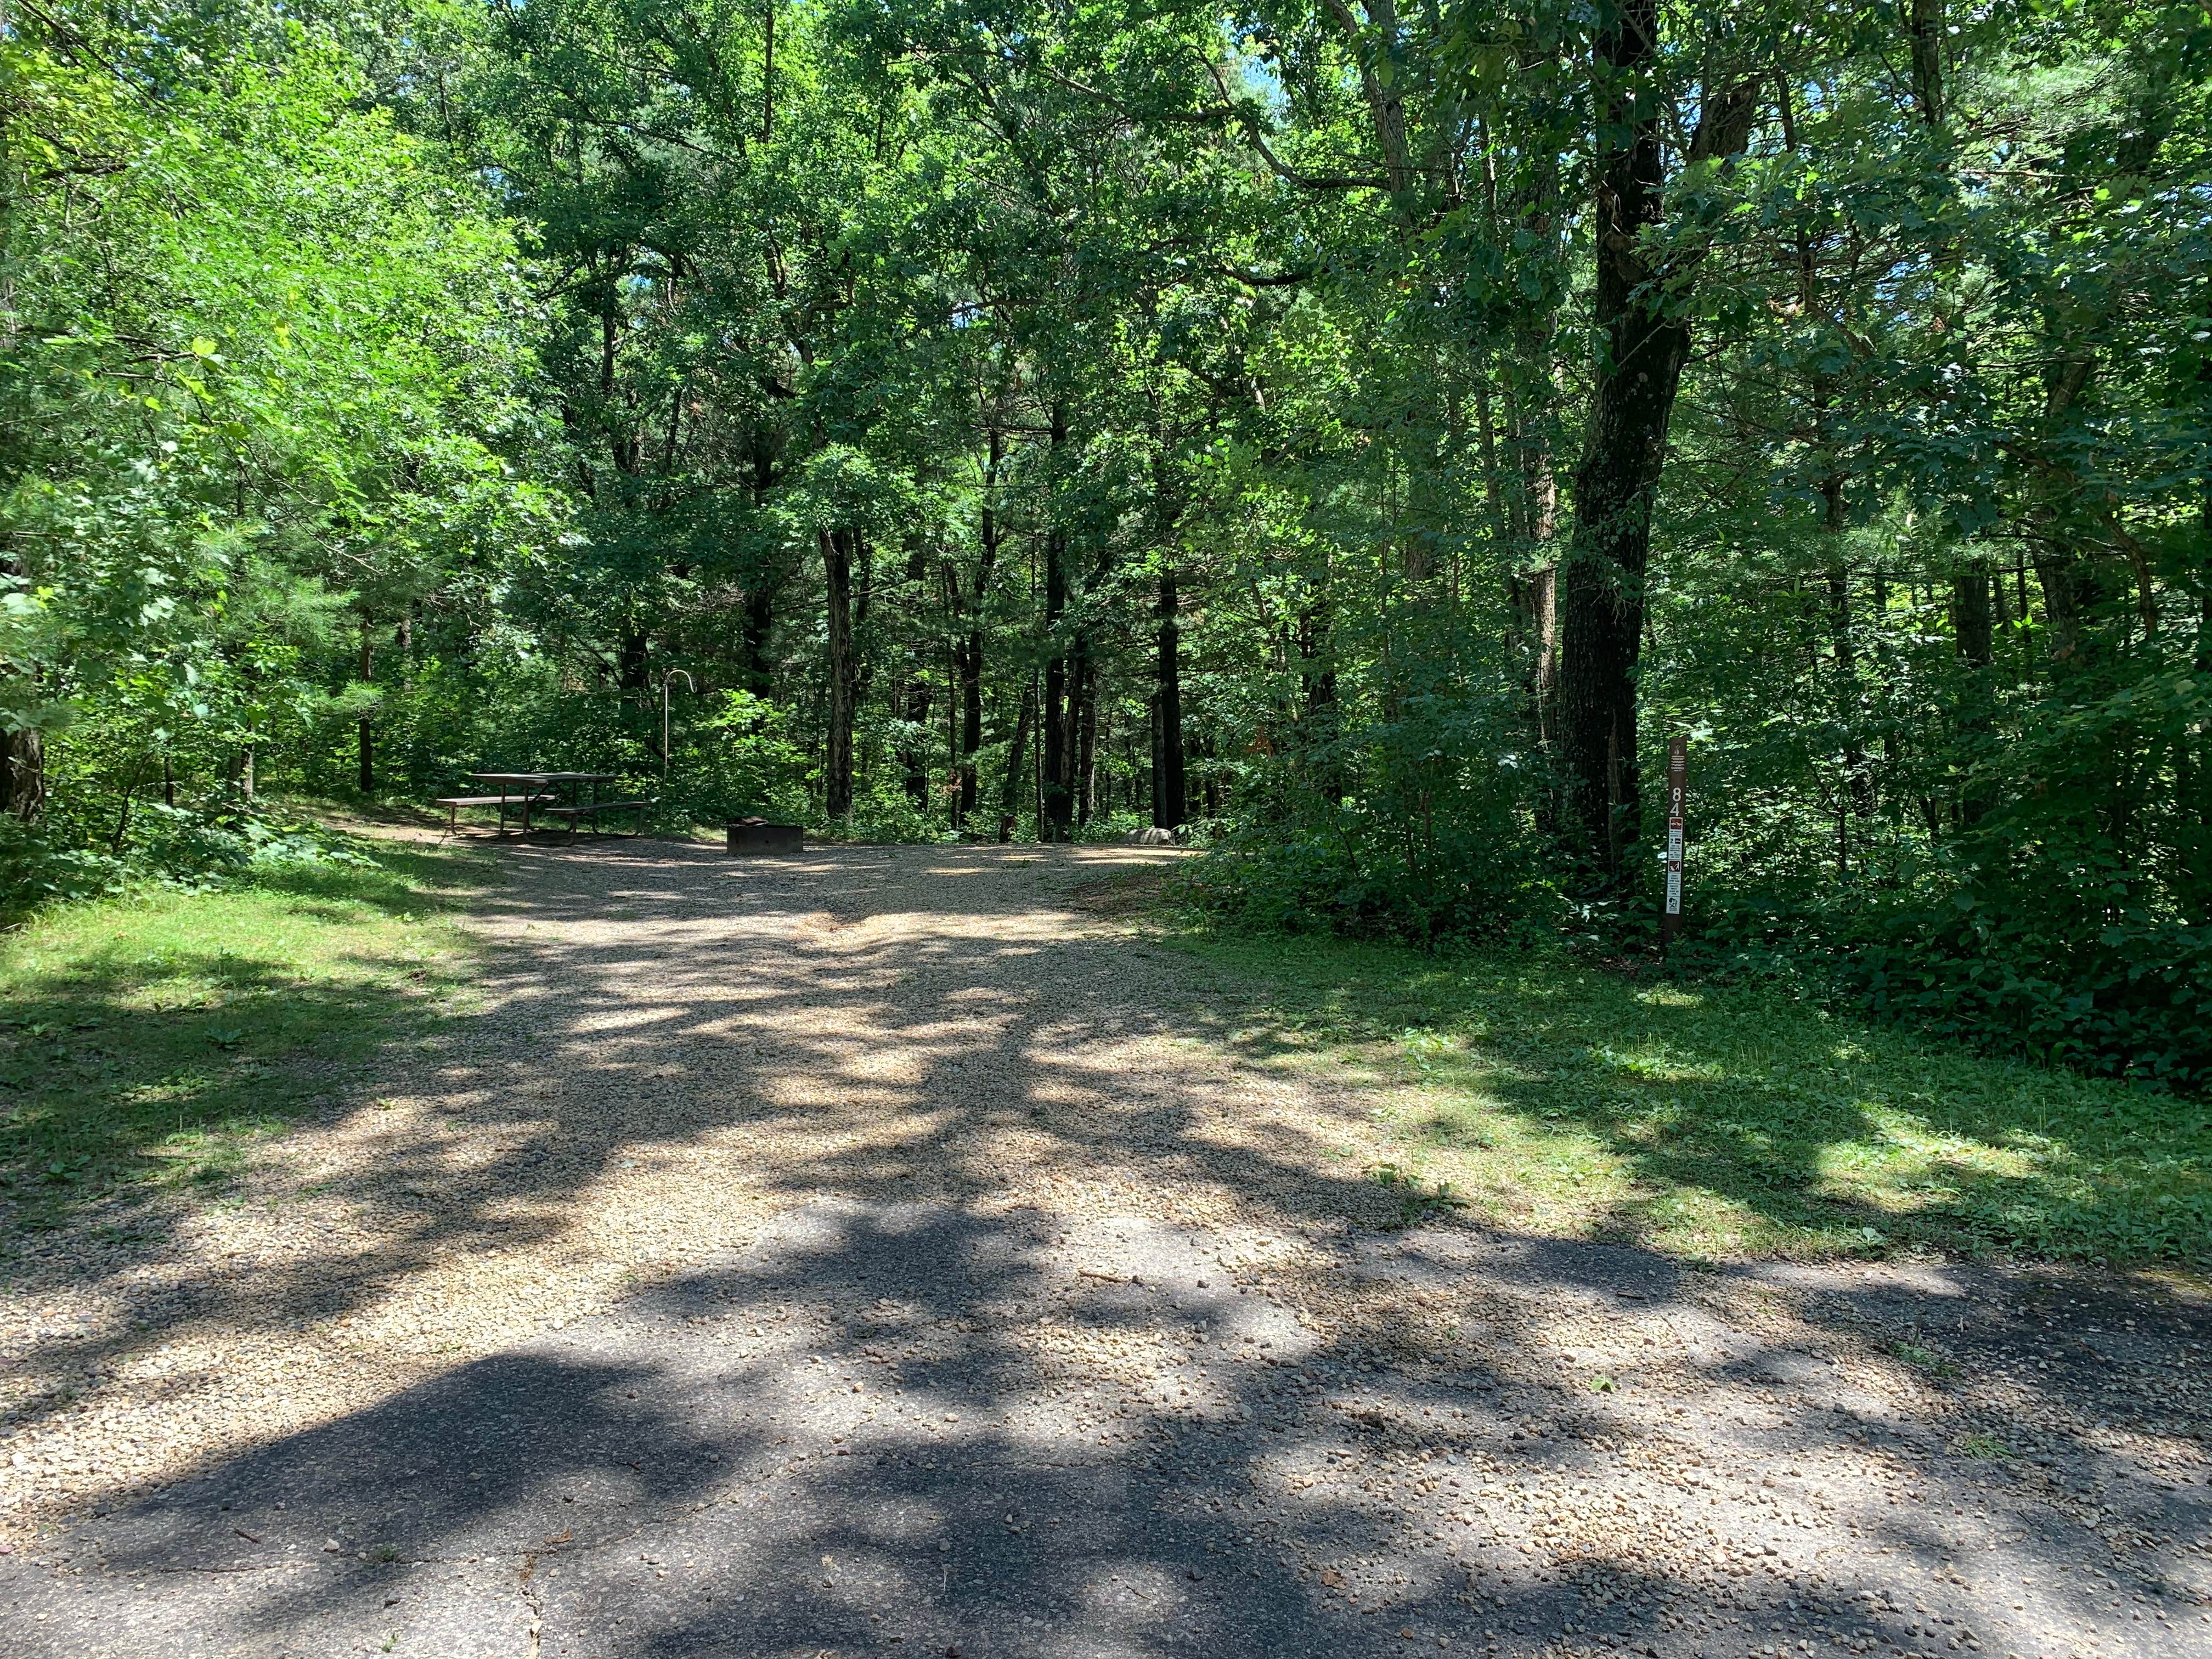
1678	766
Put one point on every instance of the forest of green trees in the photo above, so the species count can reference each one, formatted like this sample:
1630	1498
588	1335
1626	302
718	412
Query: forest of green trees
1363	437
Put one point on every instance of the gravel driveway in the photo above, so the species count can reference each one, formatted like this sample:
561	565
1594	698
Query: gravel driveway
882	1252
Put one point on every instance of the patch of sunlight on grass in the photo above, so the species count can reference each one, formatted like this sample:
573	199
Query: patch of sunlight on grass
1714	1122
150	1042
1656	1063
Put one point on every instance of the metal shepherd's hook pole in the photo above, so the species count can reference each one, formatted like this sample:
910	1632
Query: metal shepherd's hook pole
689	686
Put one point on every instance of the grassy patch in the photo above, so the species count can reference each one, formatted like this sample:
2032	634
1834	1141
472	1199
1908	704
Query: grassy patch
146	1043
1715	1123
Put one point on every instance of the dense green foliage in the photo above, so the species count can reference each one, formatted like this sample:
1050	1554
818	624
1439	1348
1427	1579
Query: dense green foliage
1362	437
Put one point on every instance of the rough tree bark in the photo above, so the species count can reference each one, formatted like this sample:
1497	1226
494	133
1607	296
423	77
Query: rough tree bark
1086	737
1057	792
971	649
1534	517
1643	343
366	776
837	763
1385	102
25	779
1170	804
1017	752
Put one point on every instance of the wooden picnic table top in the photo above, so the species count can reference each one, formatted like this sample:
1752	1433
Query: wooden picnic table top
536	779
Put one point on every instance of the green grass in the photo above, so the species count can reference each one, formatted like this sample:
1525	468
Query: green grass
146	1042
1717	1123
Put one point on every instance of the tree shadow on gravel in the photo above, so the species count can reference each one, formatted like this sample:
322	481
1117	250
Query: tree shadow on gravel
771	998
916	1429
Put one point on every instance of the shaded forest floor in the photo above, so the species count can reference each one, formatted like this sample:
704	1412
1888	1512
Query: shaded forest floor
618	1248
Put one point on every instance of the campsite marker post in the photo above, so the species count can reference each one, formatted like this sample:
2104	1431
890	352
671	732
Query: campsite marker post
1678	766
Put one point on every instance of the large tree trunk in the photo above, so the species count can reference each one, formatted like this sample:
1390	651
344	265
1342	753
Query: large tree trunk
838	762
1059	750
1924	34
1170	805
913	754
1385	98
26	773
366	777
1643	345
1086	736
1535	517
971	651
1018	753
630	663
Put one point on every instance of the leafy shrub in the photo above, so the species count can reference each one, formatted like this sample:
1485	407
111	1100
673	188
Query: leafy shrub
740	763
224	838
1416	828
38	867
1359	868
2133	997
2129	994
229	837
891	815
1108	826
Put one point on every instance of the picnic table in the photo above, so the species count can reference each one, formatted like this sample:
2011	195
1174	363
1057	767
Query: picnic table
573	796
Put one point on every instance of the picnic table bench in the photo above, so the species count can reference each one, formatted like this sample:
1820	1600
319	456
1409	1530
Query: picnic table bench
453	803
545	790
590	810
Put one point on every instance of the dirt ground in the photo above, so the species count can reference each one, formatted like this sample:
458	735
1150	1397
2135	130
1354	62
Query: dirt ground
881	1250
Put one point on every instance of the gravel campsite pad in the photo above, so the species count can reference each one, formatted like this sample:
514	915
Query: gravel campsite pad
877	1251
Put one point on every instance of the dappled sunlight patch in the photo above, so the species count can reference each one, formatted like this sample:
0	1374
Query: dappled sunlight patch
1799	1135
1656	1063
